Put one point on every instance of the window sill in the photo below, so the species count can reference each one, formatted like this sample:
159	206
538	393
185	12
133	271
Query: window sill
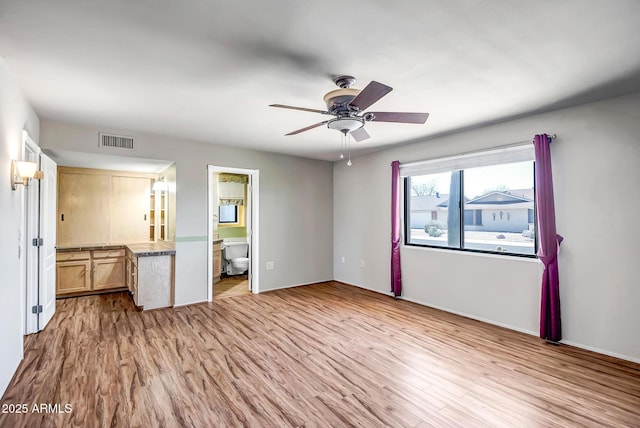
523	258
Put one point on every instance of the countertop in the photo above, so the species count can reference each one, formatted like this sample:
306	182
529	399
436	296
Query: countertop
143	249
160	248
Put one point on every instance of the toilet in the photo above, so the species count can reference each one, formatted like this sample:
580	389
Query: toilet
235	257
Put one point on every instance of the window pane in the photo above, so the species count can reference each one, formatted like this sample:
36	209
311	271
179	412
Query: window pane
228	214
429	215
500	198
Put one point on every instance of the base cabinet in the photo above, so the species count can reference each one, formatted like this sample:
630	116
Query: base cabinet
150	280
108	273
73	276
86	272
217	262
132	276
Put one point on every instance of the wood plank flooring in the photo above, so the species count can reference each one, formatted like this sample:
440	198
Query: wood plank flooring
315	356
231	286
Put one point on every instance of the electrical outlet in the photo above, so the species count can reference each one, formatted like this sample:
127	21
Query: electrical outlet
362	263
270	265
342	259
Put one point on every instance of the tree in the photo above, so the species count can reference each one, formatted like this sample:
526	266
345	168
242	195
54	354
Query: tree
424	189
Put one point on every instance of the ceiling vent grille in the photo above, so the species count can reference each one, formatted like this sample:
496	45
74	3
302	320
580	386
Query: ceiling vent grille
116	141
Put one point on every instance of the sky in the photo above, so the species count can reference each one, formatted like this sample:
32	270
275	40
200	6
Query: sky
476	180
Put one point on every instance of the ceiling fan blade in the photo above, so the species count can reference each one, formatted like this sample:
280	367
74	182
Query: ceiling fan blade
312	110
370	94
307	128
383	116
360	134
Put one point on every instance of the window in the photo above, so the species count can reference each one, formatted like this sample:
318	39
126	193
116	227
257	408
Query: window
228	214
484	208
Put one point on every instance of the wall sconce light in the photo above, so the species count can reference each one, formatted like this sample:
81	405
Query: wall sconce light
21	172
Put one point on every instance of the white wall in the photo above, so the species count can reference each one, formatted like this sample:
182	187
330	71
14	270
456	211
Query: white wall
295	205
15	115
596	170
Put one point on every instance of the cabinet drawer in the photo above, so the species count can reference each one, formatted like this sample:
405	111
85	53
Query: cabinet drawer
73	255
104	254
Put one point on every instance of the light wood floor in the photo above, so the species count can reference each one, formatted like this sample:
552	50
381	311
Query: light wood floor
314	356
231	286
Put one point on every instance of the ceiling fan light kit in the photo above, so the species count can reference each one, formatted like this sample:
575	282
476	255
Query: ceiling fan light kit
348	105
346	124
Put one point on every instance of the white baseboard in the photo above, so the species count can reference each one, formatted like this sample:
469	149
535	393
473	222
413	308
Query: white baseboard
601	351
282	287
533	333
387	293
473	317
190	303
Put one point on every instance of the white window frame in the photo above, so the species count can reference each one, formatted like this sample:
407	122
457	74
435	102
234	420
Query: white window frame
496	156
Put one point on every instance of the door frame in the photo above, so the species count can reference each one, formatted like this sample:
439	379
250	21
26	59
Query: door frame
29	254
252	220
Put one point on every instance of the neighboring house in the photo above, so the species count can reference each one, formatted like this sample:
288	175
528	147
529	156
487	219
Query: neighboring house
500	211
425	208
496	211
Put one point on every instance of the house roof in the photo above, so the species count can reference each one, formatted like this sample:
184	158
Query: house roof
514	199
498	198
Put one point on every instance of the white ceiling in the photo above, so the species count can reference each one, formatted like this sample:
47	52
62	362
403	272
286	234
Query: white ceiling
207	70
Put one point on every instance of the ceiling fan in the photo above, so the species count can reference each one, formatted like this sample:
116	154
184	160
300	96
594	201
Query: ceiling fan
348	105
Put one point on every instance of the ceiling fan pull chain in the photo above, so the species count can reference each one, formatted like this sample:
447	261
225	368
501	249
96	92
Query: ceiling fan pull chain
349	148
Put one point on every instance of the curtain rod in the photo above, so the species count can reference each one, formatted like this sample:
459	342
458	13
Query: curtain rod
506	146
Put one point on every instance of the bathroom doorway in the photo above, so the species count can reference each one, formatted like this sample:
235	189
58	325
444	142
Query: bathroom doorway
232	231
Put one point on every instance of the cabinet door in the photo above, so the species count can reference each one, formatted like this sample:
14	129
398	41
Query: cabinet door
130	209
127	273
73	276
134	282
217	262
83	209
108	273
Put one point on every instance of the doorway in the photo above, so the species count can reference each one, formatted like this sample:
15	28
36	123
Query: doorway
232	218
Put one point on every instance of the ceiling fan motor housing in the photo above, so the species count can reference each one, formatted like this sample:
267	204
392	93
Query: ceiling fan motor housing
337	101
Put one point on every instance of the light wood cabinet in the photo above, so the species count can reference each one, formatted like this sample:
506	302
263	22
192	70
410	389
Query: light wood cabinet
217	262
132	275
100	206
84	204
73	273
158	226
108	273
85	272
130	209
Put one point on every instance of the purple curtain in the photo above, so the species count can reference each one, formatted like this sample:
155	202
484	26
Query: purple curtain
549	241
396	276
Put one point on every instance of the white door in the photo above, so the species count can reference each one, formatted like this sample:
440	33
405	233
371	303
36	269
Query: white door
31	232
48	214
